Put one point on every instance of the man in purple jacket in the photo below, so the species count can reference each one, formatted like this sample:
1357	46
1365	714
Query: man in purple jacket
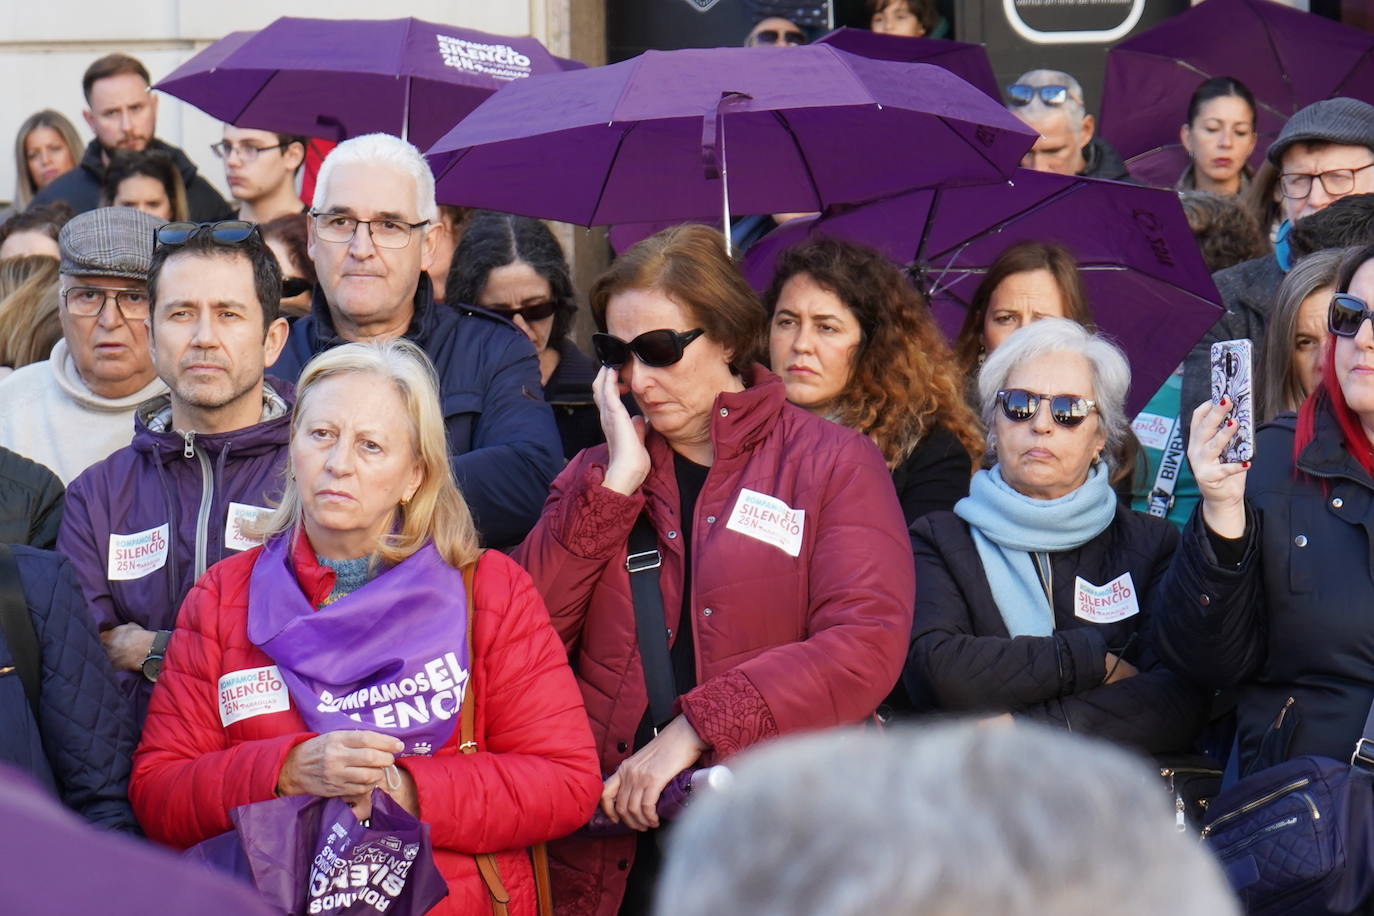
206	459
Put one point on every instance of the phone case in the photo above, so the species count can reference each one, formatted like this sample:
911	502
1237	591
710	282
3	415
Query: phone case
1231	370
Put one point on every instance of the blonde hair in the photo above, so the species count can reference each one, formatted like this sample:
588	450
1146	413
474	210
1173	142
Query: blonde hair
437	511
24	187
29	325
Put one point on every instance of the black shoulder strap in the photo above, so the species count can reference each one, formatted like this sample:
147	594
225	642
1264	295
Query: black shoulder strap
18	627
643	564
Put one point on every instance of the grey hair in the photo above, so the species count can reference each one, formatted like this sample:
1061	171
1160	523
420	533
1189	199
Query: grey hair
385	151
1073	107
943	820
1110	369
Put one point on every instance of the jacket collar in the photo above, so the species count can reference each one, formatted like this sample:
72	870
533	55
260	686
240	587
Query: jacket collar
422	320
93	159
739	419
571	380
1326	455
154	437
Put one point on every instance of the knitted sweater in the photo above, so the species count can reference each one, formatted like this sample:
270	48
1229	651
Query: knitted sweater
48	415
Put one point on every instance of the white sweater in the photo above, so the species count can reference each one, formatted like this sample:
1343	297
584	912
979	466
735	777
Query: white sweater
47	414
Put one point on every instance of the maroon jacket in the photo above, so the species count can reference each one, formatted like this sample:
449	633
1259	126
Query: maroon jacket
783	643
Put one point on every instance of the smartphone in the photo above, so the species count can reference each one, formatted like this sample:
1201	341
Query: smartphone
1231	364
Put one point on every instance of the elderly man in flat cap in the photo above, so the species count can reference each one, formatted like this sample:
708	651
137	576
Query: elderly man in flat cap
78	406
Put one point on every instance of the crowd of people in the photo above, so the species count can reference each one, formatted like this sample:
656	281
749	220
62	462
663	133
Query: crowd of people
316	493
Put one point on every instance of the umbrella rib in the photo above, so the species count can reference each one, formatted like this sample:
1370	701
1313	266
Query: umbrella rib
986	158
606	177
1011	218
801	153
1287	81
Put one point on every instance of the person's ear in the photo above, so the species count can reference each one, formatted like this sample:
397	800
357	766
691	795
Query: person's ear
292	156
273	341
310	239
1185	137
152	106
1085	134
89	117
431	244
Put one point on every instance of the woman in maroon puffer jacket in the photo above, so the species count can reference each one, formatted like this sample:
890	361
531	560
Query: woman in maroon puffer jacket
787	576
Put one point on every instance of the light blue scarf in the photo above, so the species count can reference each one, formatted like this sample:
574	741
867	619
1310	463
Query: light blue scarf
1008	526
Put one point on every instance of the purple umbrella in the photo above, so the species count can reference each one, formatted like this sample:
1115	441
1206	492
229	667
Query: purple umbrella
1287	58
966	61
646	139
1145	279
339	78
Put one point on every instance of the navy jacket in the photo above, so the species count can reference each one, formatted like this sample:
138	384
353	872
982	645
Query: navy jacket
84	739
501	432
963	660
175	505
1295	618
30	502
81	186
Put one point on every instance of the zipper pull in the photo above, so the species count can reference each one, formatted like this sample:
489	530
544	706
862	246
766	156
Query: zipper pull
190	450
1180	821
1278	720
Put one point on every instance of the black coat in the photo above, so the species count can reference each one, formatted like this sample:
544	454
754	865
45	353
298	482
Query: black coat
31	499
81	186
934	476
569	393
963	660
1101	160
83	741
1296	617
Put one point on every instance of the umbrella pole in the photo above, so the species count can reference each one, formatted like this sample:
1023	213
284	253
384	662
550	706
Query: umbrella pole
724	192
405	114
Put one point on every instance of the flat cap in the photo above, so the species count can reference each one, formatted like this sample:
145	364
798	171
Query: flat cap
1339	120
109	242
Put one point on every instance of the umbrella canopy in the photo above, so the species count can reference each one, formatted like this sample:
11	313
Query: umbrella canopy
1286	57
1145	279
339	78
794	129
967	61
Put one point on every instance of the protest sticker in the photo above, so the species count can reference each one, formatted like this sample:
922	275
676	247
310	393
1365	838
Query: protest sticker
251	692
241	520
133	556
1105	603
768	519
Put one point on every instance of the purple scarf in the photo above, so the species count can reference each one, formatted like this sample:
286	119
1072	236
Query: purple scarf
391	657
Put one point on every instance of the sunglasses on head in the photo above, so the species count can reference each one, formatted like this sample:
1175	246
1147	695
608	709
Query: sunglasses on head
226	232
1068	410
535	311
1346	314
1021	94
652	348
771	36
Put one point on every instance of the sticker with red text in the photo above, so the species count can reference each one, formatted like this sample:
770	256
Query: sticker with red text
240	523
768	519
251	692
1105	603
133	556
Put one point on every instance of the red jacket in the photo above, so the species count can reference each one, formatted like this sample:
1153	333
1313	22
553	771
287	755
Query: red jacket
783	644
534	779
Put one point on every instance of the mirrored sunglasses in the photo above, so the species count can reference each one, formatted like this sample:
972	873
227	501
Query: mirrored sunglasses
1068	410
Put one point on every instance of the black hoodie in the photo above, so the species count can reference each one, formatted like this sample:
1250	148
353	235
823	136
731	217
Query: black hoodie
81	186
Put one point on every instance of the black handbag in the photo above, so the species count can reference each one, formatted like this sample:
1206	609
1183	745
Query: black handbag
1298	838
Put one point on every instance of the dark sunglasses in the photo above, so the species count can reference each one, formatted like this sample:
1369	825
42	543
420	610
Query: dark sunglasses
1021	94
291	287
226	232
536	311
1020	405
770	37
653	348
1346	315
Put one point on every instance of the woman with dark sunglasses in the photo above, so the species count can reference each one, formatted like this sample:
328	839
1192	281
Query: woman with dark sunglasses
513	266
782	597
1275	595
1036	594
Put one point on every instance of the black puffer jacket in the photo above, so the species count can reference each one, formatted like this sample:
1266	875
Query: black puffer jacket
31	499
963	660
81	186
1296	617
84	737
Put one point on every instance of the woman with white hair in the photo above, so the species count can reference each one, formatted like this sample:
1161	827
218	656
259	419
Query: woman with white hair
1035	595
341	656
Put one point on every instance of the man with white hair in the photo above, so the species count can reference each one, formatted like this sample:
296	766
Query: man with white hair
1051	103
372	235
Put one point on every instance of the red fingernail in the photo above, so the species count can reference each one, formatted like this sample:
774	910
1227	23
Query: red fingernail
1223	402
1245	464
1230	422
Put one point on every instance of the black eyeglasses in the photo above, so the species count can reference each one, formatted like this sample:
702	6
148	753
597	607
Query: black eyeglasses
291	287
1068	410
772	36
247	153
1297	185
1022	94
535	311
1346	314
226	232
653	348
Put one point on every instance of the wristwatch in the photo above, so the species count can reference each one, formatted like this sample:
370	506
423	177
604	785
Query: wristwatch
152	665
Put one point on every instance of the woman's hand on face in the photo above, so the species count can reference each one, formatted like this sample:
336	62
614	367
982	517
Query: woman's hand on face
1222	485
629	459
343	763
631	794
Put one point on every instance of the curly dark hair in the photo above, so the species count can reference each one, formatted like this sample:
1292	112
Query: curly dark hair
904	380
492	239
1226	231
